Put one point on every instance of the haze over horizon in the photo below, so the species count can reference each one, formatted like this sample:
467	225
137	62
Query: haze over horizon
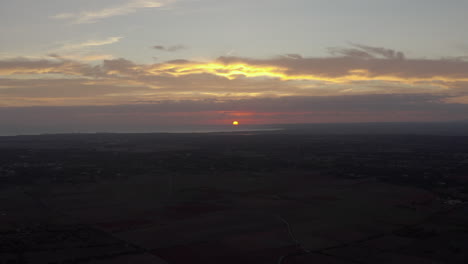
121	64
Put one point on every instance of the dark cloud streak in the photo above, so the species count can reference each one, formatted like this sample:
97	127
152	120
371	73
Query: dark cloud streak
367	52
170	48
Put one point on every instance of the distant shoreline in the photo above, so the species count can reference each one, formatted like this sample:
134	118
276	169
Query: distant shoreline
388	128
195	131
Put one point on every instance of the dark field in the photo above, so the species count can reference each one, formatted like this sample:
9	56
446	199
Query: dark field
253	197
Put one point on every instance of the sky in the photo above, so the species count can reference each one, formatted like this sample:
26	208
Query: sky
113	64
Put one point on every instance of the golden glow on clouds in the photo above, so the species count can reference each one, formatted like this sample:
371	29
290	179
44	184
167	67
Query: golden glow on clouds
232	71
244	70
224	78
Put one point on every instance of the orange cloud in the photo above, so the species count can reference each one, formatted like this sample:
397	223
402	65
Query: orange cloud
365	71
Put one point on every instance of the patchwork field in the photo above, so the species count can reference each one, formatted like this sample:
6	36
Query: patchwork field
231	203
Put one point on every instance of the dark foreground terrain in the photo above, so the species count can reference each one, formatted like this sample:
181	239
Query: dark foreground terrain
233	198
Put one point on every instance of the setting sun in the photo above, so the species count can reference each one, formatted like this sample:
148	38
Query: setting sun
235	123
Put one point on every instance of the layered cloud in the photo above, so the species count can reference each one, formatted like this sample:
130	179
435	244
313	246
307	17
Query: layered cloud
339	69
331	69
87	17
351	73
42	67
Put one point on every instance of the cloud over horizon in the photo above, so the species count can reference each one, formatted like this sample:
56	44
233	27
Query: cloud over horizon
345	84
349	66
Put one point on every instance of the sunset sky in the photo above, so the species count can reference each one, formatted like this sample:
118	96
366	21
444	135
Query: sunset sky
111	64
